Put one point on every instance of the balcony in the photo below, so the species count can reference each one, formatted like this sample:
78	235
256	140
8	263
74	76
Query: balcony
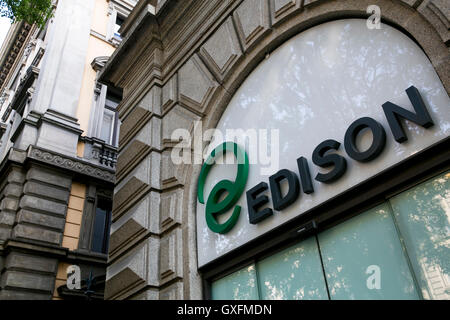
99	153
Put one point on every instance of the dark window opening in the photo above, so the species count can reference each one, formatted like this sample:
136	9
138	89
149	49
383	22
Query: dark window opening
119	22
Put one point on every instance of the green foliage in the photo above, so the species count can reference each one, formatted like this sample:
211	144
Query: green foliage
30	11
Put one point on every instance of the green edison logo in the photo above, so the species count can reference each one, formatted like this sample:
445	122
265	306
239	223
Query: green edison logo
233	190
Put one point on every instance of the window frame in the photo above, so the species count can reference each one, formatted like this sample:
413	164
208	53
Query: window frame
116	8
107	227
102	95
93	193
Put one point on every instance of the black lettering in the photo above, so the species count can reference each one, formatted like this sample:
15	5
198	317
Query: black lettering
378	142
393	113
254	202
280	202
305	175
324	161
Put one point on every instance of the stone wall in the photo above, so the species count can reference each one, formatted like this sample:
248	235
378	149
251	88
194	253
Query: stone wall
181	62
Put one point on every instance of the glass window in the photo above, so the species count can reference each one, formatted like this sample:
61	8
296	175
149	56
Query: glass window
240	285
363	258
423	217
102	221
110	122
397	250
294	274
107	127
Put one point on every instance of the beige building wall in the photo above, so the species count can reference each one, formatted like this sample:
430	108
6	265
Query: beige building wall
74	216
97	47
61	279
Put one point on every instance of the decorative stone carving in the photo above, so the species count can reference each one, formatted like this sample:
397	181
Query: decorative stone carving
222	50
70	164
132	124
136	270
196	85
437	12
126	196
170	93
137	223
281	9
171	256
170	208
252	21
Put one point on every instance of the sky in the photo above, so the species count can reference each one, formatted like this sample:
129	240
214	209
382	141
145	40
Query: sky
4	27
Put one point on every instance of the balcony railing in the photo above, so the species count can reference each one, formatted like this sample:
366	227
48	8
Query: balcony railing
98	152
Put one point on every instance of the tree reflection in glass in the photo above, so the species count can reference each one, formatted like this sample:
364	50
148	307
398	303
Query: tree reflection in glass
423	217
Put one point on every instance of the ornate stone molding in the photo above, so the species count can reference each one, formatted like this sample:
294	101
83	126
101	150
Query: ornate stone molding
70	164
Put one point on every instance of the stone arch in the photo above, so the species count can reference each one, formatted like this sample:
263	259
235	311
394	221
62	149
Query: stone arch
423	22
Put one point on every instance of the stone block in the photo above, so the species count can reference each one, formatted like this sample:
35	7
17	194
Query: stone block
307	3
5	233
171	256
252	21
196	85
40	189
132	123
170	93
412	3
173	292
7	218
150	294
136	270
13	190
139	147
23	261
171	174
74	216
40	219
8	294
171	202
137	183
437	12
143	218
16	175
35	233
50	177
177	118
24	280
9	204
42	205
282	9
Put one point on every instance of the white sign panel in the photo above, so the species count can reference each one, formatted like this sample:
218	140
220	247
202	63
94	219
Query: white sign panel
312	89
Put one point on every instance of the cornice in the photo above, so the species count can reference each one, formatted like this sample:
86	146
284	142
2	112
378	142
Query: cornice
71	164
14	47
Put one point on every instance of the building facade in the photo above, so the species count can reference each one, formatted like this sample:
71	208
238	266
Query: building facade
58	151
326	80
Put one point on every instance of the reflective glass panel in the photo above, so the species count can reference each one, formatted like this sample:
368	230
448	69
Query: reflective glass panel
240	285
363	258
423	218
294	274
